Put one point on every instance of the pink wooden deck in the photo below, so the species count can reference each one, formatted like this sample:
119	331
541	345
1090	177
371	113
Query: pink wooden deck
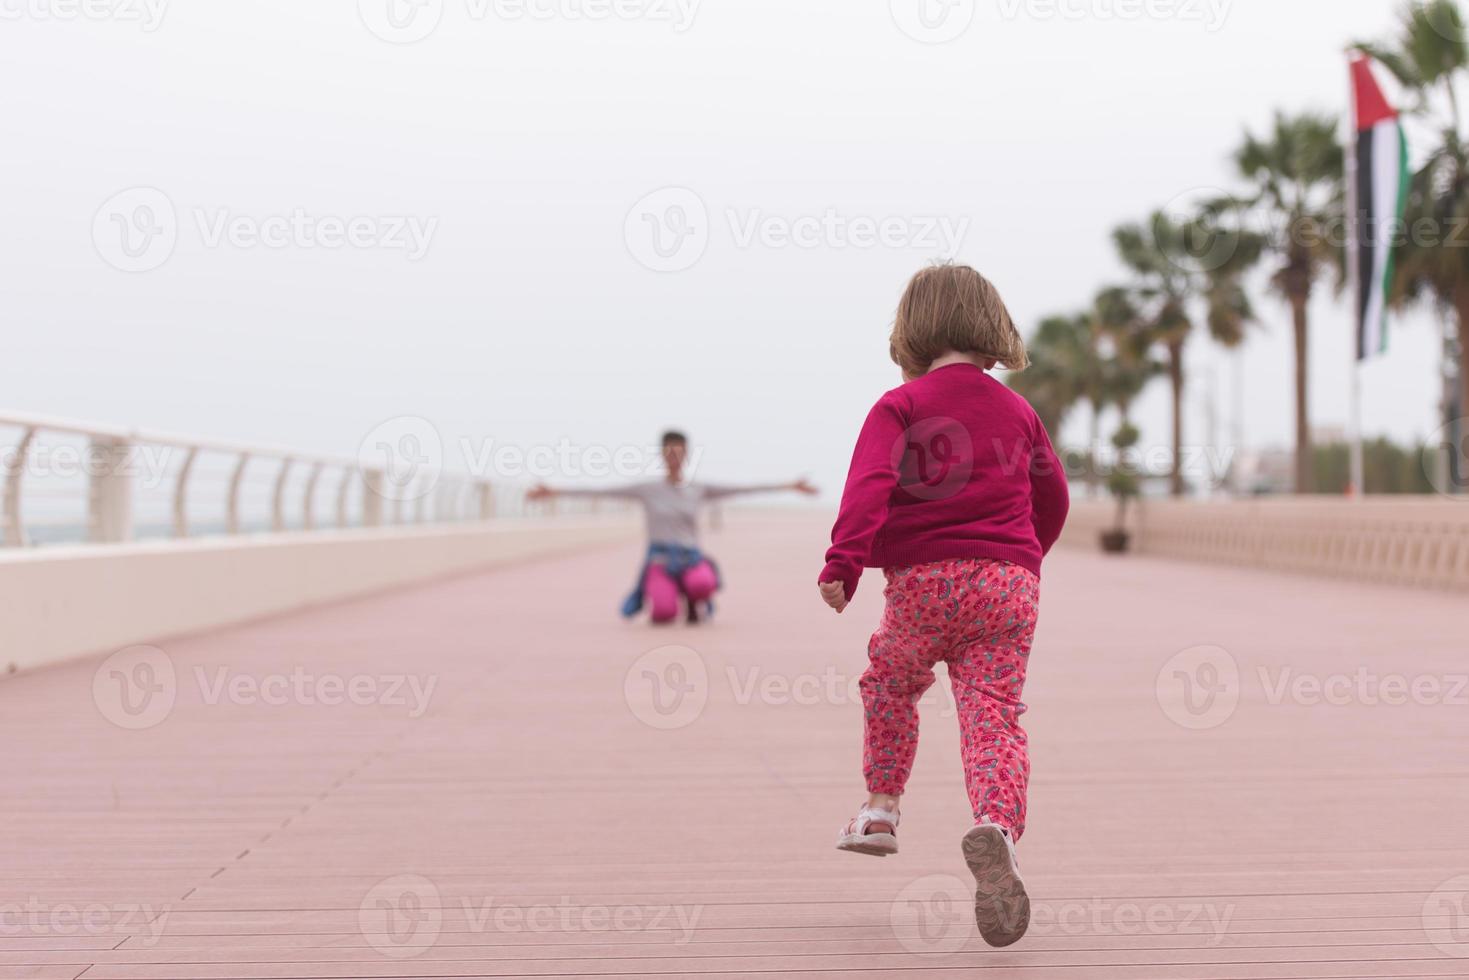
532	824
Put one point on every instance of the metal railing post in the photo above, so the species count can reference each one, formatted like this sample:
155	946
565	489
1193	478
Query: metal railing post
342	488
308	499
232	508
110	491
181	495
15	532
372	498
278	497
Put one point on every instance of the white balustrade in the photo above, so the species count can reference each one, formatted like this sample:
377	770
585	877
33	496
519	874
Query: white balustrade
105	466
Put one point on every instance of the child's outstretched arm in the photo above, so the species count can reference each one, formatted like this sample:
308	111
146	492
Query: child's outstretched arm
870	483
1050	498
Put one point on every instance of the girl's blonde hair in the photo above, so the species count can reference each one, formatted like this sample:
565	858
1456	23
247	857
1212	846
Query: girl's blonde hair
953	308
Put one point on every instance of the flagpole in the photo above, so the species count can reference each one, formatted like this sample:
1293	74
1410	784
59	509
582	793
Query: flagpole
1356	486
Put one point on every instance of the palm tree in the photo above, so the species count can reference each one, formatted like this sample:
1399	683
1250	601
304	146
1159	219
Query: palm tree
1178	263
1428	57
1296	177
1055	381
1069	367
1098	357
1128	366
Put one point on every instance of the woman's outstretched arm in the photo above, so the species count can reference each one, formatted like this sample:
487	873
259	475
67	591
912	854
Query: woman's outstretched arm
723	492
632	491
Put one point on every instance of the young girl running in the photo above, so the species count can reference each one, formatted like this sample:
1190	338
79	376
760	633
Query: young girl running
955	492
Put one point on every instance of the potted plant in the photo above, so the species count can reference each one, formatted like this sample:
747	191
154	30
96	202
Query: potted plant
1123	485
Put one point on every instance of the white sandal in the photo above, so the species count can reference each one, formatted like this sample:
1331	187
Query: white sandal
858	835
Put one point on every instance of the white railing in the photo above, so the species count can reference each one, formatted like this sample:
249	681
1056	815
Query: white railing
68	481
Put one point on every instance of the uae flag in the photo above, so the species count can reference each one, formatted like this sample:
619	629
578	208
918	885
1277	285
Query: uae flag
1378	194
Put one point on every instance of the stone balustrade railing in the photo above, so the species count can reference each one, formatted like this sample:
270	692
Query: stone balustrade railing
1415	541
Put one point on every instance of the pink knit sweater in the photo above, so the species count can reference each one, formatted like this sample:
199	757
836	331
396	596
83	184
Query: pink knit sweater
951	465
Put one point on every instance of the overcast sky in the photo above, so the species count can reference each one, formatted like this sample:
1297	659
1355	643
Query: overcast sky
281	221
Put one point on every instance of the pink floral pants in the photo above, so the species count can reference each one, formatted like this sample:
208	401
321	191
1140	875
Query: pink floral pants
978	616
